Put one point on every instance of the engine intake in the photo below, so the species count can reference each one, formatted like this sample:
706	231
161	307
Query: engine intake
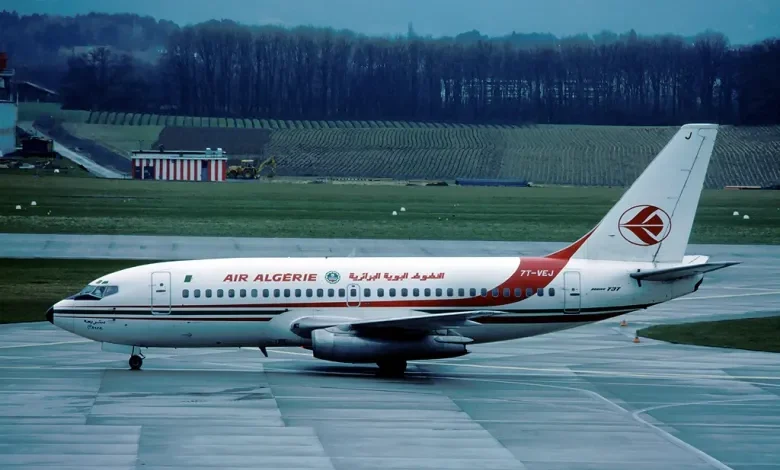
347	347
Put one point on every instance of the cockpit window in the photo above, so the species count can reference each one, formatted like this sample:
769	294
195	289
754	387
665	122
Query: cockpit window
96	292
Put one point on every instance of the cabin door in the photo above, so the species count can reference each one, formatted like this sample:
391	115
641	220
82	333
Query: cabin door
571	292
161	293
353	295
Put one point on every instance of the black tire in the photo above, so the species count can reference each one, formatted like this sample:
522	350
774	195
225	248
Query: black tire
136	362
392	368
247	174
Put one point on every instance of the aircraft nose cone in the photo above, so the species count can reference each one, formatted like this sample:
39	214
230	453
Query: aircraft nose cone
50	315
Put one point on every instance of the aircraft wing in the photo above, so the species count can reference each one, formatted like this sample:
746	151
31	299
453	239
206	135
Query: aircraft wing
429	321
679	272
414	322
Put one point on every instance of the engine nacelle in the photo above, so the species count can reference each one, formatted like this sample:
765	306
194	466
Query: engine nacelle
344	347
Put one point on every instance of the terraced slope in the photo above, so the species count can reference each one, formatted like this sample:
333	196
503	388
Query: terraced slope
571	155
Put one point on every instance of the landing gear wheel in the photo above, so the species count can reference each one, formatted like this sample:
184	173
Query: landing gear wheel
392	368
136	362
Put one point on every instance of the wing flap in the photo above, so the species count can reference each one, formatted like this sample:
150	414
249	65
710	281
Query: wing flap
679	272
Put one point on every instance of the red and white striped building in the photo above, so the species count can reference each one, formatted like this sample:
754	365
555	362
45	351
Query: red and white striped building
180	165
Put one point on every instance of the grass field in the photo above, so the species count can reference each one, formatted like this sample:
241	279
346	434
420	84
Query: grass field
29	288
81	205
757	334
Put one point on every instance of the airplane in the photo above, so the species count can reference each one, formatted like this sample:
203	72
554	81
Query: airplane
390	310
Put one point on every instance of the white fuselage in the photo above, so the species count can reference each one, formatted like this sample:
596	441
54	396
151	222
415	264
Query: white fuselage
255	301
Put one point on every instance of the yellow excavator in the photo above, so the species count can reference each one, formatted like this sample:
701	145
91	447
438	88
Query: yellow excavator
248	170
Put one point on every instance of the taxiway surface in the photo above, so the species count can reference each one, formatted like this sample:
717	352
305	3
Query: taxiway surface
154	247
586	398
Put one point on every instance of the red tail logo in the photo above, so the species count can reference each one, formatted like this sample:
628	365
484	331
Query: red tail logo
645	225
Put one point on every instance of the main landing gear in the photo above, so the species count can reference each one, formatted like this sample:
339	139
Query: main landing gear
136	362
392	368
136	358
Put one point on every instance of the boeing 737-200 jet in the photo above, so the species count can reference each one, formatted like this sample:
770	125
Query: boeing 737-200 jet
391	310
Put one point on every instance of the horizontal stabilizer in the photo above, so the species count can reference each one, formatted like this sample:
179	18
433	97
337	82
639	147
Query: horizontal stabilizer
679	272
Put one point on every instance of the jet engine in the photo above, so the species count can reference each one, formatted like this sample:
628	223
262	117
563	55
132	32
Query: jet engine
347	347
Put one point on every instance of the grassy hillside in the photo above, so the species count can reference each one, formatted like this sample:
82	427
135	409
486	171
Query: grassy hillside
545	154
120	139
93	205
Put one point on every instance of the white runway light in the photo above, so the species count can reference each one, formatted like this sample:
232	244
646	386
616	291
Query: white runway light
746	217
33	203
395	213
18	207
56	170
403	209
736	212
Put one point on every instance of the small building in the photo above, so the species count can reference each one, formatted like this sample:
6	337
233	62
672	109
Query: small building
30	92
180	165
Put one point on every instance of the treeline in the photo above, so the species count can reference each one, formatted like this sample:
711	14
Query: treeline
33	39
226	69
39	46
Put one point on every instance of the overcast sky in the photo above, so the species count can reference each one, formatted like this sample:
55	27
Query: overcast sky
741	20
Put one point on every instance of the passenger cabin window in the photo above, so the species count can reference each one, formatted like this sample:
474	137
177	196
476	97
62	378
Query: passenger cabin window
242	293
185	293
450	292
484	292
297	292
392	292
438	292
353	292
529	291
197	293
366	292
220	293
540	291
416	292
427	292
266	293
208	293
342	293
231	293
287	292
320	293
461	292
380	292
254	292
309	293
473	292
551	291
507	292
404	292
494	292
518	292
277	293
331	293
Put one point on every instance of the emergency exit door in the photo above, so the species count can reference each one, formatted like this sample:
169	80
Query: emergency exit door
572	300
161	293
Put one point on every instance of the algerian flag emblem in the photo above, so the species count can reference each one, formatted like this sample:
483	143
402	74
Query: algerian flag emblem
188	278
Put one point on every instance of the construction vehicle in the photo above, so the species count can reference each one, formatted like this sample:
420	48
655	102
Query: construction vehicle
248	170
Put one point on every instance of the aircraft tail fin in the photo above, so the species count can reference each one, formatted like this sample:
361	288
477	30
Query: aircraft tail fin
652	220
